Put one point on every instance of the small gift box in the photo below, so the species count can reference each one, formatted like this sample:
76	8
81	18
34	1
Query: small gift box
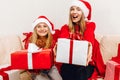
6	73
72	51
32	60
112	71
118	55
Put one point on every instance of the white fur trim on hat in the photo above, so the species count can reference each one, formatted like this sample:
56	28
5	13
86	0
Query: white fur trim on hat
82	6
42	20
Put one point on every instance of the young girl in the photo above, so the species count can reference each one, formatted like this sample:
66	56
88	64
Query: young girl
43	37
81	28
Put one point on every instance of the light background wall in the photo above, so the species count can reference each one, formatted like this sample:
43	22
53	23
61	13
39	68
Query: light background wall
16	16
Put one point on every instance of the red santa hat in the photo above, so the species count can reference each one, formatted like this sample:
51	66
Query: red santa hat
45	20
85	6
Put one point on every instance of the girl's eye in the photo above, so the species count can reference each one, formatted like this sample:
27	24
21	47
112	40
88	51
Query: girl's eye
45	26
38	26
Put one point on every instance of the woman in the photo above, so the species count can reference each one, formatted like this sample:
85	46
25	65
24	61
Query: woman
81	28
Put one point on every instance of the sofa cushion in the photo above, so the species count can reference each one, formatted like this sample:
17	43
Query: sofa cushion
109	46
8	44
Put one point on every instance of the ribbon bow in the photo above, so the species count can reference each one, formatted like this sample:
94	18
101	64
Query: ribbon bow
75	36
32	48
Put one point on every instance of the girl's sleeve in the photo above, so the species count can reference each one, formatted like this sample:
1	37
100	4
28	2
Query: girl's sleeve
89	32
64	32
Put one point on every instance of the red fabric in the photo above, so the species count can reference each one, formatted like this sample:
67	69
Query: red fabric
89	36
41	60
97	60
56	35
26	40
3	74
117	73
58	65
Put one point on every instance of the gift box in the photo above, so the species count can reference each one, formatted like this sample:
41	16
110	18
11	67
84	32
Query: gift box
38	60
72	51
118	54
9	74
112	71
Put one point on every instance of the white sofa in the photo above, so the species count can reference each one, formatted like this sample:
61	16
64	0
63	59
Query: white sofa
11	43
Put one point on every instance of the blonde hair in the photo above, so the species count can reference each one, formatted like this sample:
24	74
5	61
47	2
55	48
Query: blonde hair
82	24
48	39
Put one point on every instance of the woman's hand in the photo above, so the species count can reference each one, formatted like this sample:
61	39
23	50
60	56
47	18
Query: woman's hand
54	50
89	56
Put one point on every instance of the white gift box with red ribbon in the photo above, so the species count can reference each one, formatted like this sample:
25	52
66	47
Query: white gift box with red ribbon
72	51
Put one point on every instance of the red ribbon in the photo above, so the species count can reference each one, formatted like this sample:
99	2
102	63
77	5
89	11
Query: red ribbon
71	52
72	36
5	75
75	36
117	72
26	40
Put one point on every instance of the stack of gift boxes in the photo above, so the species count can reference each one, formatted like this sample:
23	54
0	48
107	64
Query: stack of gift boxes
113	67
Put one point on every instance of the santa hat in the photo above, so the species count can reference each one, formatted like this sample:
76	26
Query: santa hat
45	20
85	6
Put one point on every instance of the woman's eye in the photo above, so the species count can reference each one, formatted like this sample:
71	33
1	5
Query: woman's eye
78	9
71	9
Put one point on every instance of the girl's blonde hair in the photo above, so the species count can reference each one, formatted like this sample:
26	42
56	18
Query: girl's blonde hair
82	24
48	39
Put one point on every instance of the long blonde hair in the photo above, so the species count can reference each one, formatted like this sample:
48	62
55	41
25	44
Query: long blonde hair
82	24
46	43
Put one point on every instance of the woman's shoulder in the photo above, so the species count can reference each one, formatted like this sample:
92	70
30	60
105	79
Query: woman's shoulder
91	25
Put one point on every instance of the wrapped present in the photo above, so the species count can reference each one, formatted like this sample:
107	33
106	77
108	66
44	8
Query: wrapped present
117	58
6	73
72	51
112	71
37	60
118	50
